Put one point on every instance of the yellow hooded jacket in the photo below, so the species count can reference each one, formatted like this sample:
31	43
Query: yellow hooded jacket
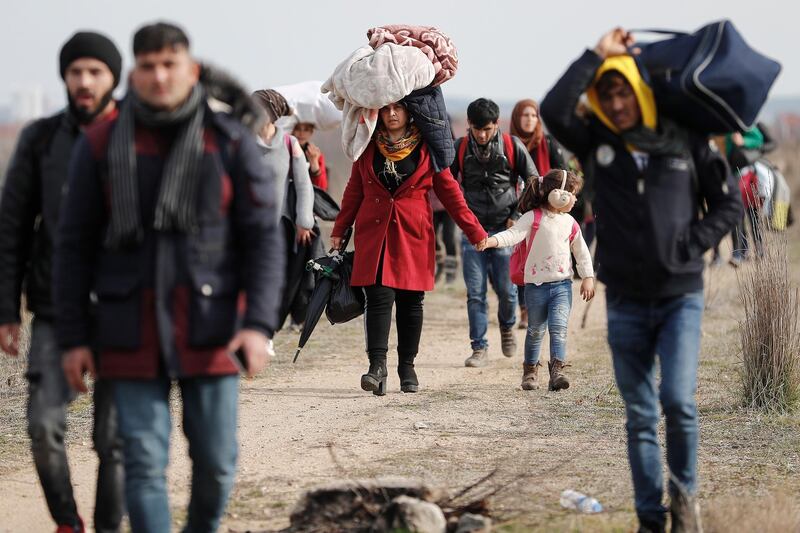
626	66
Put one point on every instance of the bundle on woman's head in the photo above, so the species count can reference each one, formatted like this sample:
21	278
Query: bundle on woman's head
542	190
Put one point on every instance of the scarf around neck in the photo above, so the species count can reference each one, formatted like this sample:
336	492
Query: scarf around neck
669	139
484	153
397	150
176	203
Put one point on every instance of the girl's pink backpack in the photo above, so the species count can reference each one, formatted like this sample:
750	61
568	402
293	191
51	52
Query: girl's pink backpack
516	265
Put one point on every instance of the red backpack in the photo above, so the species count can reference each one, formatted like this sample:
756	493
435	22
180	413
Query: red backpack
516	265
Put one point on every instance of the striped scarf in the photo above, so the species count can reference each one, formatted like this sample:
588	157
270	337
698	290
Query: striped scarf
177	197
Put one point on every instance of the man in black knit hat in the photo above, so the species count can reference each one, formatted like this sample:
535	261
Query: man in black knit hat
90	66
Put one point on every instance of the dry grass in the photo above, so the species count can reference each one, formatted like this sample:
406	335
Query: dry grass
769	329
775	513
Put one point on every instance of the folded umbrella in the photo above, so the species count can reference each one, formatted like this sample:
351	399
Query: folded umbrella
325	273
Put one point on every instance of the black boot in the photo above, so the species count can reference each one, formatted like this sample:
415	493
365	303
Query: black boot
375	378
408	376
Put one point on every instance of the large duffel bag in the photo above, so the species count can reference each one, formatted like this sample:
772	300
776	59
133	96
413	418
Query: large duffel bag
711	81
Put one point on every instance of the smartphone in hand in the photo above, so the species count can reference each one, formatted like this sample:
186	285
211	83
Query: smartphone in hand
239	360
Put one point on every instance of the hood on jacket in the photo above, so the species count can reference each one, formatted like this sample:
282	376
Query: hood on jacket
228	95
627	67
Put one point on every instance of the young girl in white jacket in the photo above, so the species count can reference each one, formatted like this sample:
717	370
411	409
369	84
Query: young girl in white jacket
552	237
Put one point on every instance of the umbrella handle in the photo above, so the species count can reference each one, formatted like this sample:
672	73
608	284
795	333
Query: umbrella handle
346	239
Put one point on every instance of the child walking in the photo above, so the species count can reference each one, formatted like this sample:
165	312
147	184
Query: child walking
552	238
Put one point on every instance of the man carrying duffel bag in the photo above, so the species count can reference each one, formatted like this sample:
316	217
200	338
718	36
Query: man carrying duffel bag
650	176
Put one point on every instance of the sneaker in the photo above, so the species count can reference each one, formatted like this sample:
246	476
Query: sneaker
685	513
558	380
479	357
530	376
508	342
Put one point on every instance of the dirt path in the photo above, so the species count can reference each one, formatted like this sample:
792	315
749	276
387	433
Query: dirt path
309	423
289	416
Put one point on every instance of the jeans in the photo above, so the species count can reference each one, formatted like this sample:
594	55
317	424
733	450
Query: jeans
378	321
637	332
491	264
548	305
209	423
48	398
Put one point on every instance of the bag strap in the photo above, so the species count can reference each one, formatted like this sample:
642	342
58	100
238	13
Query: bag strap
659	31
537	218
462	153
508	149
575	229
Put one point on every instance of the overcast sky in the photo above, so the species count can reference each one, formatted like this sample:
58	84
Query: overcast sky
507	49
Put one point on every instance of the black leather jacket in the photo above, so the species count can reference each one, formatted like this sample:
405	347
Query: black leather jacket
32	192
491	189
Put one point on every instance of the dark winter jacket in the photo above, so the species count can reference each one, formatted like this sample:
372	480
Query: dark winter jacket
492	188
172	303
426	107
32	193
651	238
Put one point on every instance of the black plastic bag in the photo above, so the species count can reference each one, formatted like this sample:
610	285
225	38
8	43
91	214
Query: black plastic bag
346	302
325	207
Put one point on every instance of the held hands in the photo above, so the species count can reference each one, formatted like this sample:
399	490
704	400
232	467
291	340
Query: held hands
587	289
336	243
9	339
75	363
489	242
615	43
256	347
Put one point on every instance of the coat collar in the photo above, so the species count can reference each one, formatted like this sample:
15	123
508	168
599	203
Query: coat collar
423	166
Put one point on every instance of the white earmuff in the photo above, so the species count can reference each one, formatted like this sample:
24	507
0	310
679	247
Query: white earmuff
559	198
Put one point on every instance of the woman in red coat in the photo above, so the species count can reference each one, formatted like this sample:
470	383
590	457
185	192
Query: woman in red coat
387	198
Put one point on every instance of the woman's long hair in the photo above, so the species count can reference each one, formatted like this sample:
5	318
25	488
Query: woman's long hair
537	190
531	140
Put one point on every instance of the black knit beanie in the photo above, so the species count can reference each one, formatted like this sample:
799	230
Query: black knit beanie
91	44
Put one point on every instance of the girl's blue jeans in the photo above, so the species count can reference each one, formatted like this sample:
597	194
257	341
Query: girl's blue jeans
548	306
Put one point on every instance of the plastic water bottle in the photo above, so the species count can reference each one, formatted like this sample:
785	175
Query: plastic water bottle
571	499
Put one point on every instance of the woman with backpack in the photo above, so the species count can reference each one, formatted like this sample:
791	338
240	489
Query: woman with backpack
387	199
287	163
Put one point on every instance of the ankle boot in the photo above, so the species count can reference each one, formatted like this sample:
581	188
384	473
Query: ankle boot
408	376
375	378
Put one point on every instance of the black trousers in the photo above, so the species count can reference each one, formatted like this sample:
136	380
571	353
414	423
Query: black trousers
378	320
445	229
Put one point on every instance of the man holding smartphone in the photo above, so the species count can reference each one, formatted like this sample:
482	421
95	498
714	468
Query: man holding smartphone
170	223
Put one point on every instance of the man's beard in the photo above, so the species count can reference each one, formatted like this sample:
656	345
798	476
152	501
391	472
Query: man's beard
85	116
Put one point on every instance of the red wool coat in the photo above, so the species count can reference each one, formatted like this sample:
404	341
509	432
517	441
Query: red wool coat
404	222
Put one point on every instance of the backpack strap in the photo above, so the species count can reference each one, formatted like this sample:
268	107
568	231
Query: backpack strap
288	140
508	150
462	153
575	229
537	219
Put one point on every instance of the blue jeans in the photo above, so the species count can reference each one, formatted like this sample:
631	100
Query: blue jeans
491	264
209	423
548	305
637	332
